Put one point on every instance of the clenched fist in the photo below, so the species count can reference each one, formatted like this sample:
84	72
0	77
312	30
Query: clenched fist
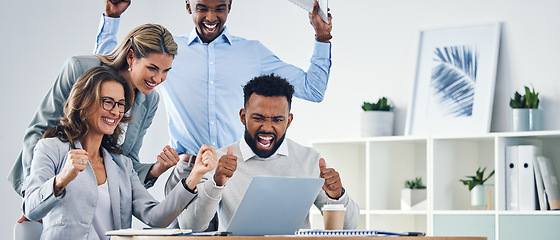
226	167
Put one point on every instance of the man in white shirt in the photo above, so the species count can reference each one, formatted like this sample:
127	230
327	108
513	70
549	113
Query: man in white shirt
263	151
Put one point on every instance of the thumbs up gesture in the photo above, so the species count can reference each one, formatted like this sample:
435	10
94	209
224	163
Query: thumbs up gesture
226	167
333	184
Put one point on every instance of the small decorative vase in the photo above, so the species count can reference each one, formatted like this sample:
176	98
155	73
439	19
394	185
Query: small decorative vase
413	199
481	197
526	119
377	123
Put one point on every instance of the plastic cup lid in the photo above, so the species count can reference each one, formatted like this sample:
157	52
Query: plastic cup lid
333	207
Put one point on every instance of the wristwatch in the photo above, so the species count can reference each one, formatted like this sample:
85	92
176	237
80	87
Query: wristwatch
192	160
320	38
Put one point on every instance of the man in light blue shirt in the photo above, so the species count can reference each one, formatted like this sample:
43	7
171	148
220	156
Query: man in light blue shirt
204	87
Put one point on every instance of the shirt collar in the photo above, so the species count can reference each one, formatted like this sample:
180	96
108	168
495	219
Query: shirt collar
247	153
224	37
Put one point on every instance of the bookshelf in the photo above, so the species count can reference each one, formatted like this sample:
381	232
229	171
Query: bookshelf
373	171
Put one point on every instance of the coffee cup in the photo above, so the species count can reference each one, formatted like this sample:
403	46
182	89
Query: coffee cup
333	216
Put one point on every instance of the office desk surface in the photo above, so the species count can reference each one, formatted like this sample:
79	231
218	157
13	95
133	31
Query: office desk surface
288	238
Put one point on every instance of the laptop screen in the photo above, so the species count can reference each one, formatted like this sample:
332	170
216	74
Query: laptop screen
274	206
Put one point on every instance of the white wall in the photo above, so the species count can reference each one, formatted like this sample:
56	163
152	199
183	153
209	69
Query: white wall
374	52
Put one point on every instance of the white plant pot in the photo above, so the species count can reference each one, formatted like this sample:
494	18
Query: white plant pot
413	199
526	119
480	196
377	123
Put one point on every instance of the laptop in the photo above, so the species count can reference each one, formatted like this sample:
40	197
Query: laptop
274	206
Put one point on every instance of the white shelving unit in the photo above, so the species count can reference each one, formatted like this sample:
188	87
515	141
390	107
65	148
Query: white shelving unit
373	171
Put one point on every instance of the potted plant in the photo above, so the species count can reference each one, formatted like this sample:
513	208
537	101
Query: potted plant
413	196
377	118
525	113
480	193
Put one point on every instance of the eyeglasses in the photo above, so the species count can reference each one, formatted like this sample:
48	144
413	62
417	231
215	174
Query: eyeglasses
109	103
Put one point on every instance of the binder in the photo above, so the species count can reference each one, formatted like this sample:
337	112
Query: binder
527	191
511	182
520	178
550	180
541	197
308	6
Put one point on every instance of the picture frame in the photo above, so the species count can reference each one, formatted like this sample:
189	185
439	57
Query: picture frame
454	82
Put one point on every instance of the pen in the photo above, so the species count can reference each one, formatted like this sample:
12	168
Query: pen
401	234
414	234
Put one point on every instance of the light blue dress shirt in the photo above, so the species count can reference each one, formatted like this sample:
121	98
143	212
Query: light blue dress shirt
203	92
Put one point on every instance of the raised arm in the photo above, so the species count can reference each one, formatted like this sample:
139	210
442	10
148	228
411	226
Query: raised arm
114	8
322	29
310	85
106	38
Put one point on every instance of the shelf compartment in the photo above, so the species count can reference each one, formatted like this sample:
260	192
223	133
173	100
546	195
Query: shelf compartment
453	159
391	164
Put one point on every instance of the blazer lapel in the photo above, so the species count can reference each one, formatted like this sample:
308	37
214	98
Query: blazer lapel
112	179
134	126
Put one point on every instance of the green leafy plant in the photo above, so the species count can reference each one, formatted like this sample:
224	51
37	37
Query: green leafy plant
478	179
414	184
381	105
529	100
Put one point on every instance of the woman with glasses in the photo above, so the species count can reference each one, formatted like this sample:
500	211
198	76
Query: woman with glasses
81	185
143	59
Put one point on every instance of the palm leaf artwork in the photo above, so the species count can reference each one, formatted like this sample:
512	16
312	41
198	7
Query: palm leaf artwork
454	79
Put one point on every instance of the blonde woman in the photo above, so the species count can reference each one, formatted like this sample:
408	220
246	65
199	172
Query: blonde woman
143	59
81	185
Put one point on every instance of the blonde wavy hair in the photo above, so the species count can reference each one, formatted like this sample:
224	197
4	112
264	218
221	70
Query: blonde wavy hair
143	40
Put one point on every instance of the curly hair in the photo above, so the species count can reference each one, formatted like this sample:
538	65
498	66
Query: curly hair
269	86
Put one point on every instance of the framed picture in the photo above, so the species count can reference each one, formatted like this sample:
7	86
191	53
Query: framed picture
454	83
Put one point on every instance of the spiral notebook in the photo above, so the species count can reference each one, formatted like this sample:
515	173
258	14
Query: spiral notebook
355	233
148	232
308	6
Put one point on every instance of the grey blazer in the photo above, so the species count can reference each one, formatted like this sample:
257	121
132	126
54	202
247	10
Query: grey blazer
70	215
49	112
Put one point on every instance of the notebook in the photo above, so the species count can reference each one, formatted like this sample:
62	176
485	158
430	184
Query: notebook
274	206
349	233
148	232
308	6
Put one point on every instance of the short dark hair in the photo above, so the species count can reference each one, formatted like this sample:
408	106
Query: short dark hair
269	86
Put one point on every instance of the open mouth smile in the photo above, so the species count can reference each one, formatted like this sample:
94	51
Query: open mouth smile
265	142
150	84
109	121
211	27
